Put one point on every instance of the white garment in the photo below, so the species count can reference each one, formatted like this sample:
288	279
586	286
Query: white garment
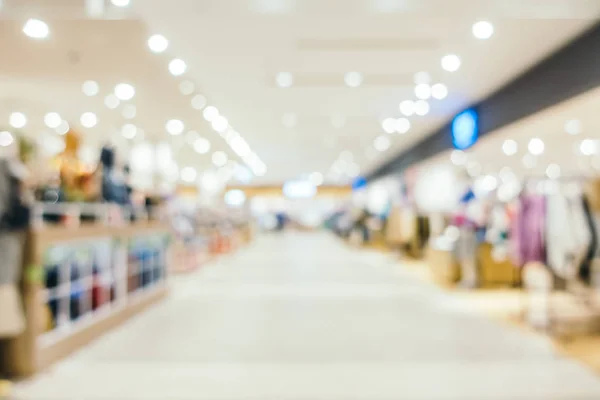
567	234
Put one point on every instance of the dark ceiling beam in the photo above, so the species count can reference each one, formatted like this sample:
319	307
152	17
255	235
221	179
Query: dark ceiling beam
568	72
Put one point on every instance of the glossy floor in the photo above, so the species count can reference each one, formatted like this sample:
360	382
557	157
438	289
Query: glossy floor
301	316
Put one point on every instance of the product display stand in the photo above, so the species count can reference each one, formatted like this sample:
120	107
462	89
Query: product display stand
80	282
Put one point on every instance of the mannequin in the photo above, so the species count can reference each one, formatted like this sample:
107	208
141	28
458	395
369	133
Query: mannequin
14	221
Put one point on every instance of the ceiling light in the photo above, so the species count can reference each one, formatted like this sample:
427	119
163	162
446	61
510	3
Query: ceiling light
381	143
63	128
421	107
187	87
158	43
289	120
129	131
353	79
202	146
121	3
188	174
198	102
52	120
483	30
536	146
284	79
422	78
338	121
219	158
423	91
220	124
177	67
553	171
458	157
210	113
316	178
6	139
17	120
129	111
175	127
402	125
389	125
240	147
36	29
510	147
90	88
407	107
88	119
439	91
529	161
587	147
451	62
573	127
124	91
111	101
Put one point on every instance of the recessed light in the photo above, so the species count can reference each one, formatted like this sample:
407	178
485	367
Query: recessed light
536	146
52	120
284	79
553	171
158	43
573	127
389	125
111	101
177	67
129	131
220	124
219	158
129	111
174	127
422	77
198	102
63	128
439	91
407	107
422	107
402	125
483	30
187	87
202	146
210	113
124	91
587	147
353	79
88	119
36	29
17	120
121	3
423	91
458	157
90	88
381	143
451	62
6	139
188	174
510	147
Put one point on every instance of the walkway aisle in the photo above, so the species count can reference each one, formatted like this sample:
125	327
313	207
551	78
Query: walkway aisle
302	317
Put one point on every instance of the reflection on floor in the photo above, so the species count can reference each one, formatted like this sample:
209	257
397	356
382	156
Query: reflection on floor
301	316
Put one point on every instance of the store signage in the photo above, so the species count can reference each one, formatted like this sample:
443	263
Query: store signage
359	183
465	129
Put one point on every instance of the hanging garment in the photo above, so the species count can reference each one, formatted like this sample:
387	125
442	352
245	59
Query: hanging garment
585	269
12	319
567	235
466	254
527	231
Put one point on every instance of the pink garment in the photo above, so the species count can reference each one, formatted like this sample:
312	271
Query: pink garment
527	231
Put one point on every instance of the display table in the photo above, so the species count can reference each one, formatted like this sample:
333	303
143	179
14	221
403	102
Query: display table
79	282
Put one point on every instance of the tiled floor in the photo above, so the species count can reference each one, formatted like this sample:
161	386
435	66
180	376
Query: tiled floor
302	317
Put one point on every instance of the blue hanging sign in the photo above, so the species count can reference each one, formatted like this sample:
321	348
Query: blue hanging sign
359	183
465	129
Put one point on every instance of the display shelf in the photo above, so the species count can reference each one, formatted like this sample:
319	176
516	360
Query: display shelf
83	281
